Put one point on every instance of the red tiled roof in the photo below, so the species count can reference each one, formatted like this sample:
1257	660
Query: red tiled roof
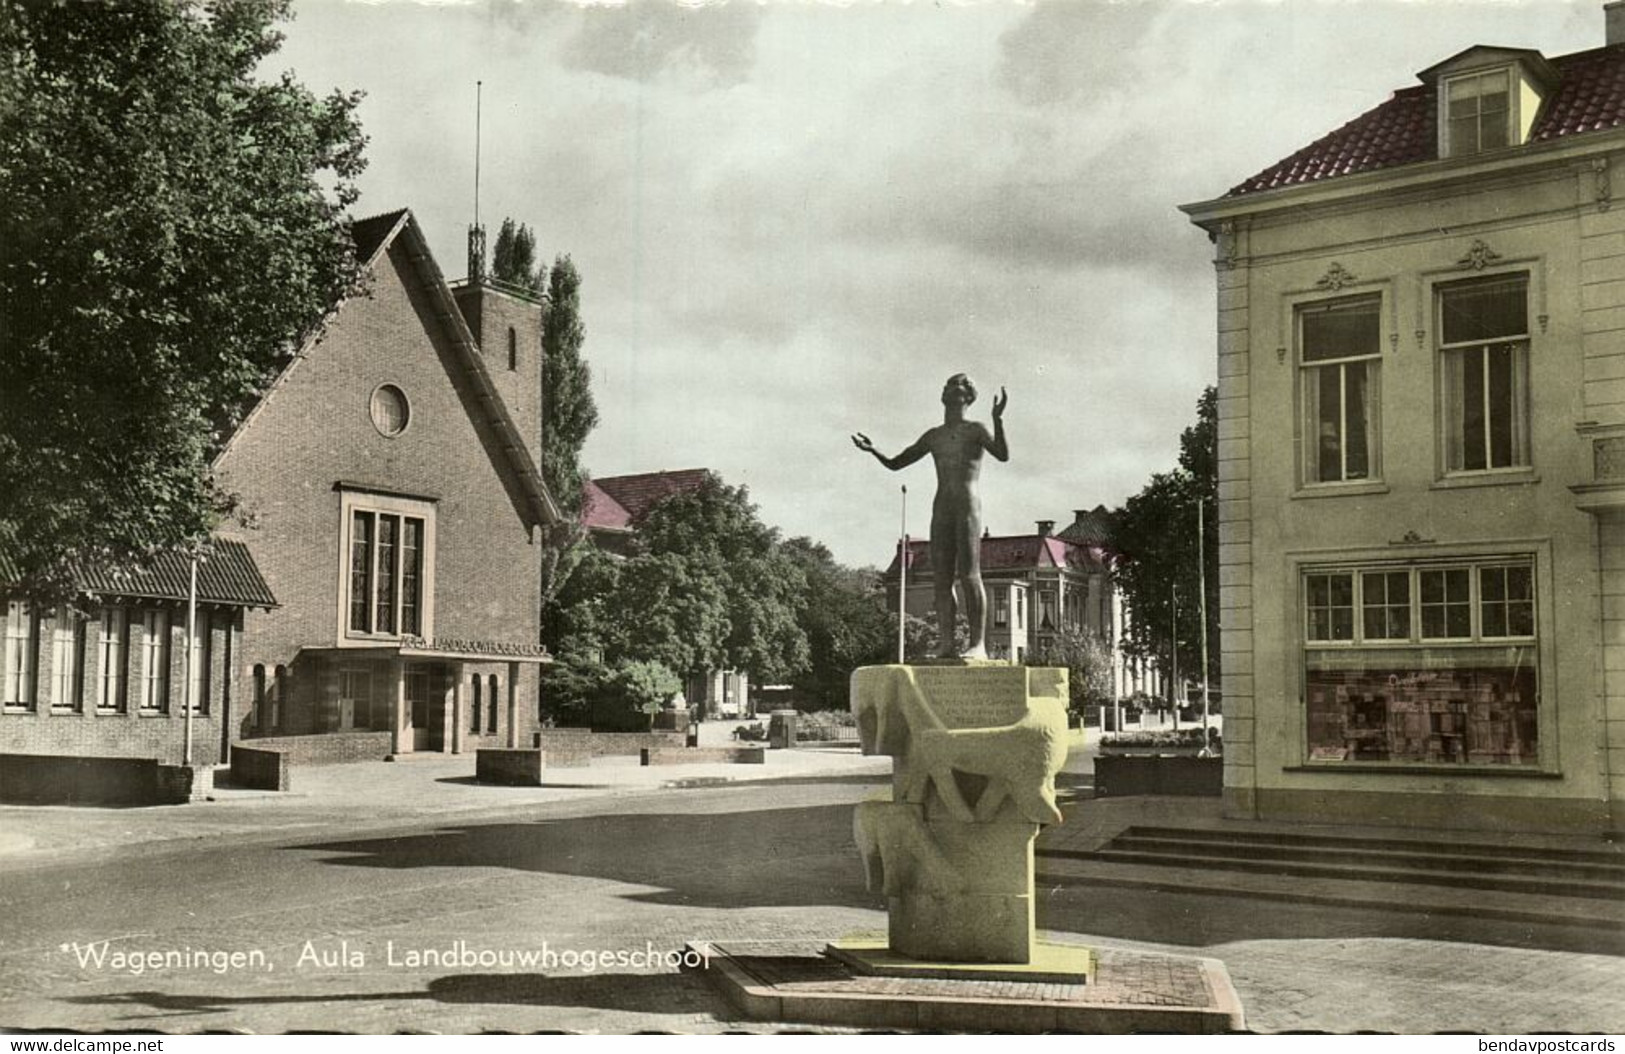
600	510
1010	552
635	495
1589	97
1090	527
226	574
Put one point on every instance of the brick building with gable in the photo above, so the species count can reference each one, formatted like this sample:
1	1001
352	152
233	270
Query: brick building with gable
387	592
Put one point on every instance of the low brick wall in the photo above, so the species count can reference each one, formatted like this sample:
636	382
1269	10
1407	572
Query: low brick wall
325	748
702	755
508	768
259	767
671	721
47	779
576	741
1119	776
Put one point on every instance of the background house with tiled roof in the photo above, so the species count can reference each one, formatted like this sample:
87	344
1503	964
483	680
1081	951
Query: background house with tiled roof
1038	585
611	506
1421	361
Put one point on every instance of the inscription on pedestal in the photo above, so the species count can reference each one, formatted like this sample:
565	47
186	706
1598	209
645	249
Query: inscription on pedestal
974	697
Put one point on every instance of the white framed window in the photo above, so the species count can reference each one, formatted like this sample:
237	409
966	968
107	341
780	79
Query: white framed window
154	664
1430	662
1001	608
199	656
1339	374
21	655
388	574
111	647
68	660
1484	348
1478	112
1046	609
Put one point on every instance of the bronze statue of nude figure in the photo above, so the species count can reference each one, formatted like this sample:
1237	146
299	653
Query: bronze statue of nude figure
956	447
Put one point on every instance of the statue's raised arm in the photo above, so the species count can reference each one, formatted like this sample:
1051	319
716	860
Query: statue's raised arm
913	453
997	447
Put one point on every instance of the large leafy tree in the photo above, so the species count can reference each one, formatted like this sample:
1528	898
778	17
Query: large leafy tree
173	230
708	586
1156	563
714	535
844	616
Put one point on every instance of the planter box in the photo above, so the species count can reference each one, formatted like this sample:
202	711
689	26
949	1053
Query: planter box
508	768
1119	776
41	779
260	768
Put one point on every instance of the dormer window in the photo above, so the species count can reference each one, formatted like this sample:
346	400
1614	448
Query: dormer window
1479	112
1488	98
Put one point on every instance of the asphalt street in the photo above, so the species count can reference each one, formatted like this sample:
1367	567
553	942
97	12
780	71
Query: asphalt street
425	928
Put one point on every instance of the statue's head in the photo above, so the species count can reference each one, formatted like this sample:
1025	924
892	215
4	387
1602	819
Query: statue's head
959	389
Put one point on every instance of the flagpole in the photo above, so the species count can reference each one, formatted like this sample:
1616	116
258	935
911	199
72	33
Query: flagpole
902	583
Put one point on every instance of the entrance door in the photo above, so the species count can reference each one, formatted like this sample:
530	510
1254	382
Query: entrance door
355	698
417	706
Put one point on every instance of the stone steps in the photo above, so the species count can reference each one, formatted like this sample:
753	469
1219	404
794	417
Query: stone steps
1521	882
1384	896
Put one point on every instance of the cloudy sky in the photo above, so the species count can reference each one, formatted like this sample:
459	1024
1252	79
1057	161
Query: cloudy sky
794	220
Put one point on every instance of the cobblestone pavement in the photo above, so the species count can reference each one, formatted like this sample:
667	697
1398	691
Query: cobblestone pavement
348	921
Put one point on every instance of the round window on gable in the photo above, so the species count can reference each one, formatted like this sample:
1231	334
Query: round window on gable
390	410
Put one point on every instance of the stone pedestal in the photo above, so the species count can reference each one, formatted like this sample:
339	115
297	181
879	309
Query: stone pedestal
976	749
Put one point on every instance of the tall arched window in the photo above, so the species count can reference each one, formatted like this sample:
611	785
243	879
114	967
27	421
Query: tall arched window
262	717
491	706
513	349
474	704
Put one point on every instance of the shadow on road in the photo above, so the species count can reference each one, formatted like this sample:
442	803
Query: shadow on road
630	992
805	856
774	857
470	781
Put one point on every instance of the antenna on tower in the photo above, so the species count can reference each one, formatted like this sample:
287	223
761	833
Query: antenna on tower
476	232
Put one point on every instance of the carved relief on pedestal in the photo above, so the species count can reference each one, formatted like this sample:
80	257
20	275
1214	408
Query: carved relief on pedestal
976	750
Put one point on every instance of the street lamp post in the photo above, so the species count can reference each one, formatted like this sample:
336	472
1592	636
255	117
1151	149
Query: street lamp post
902	584
1201	578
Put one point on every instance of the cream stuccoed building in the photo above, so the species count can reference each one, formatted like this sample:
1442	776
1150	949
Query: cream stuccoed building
1421	342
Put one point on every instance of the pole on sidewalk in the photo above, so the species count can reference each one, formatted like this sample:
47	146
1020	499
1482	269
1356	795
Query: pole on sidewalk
902	584
191	658
1201	577
1174	688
